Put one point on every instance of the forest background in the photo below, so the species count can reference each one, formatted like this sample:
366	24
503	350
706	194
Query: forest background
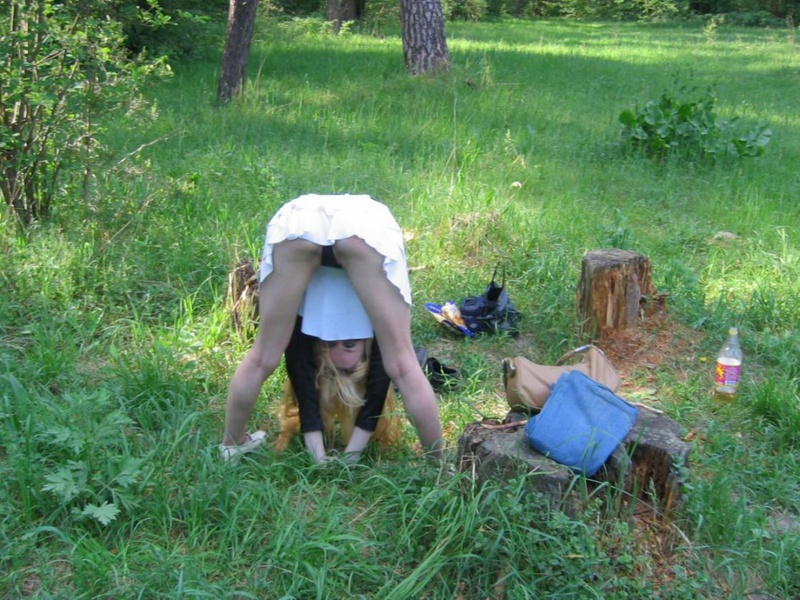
116	342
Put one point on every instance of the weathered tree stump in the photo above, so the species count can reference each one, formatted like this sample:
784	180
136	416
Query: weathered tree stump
614	287
243	297
647	465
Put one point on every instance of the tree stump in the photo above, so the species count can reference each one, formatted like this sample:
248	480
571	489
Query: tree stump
614	289
648	465
243	297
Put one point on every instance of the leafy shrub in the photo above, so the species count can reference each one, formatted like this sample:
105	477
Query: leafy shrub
76	451
675	125
60	72
761	12
464	10
91	468
754	18
179	28
296	8
658	10
500	8
380	14
617	10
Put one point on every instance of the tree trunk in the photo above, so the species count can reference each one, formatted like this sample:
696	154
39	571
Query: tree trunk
340	11
614	288
424	44
241	19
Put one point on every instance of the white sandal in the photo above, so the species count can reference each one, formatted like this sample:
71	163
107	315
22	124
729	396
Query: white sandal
233	453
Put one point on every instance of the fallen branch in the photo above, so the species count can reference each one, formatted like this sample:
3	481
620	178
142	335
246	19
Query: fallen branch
505	425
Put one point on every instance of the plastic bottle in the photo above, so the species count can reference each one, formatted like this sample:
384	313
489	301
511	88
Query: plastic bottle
729	367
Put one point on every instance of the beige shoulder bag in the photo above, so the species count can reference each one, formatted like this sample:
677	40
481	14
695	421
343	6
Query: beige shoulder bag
528	384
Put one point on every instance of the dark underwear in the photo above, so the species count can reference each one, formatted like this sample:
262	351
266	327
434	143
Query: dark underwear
329	258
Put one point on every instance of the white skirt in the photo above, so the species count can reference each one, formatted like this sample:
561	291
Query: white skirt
331	309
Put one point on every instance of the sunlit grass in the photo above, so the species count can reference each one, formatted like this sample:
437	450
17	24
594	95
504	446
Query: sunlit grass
118	306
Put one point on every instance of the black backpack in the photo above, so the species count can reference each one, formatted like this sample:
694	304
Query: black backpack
492	311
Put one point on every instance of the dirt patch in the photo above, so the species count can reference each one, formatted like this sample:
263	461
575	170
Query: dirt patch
654	344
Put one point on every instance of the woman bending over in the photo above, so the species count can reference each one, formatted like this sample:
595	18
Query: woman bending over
339	262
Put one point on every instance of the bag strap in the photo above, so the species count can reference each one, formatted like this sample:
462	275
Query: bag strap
494	276
579	350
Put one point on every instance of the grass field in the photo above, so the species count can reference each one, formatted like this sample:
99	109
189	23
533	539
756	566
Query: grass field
116	346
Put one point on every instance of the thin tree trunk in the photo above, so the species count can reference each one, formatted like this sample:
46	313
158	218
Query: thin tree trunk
241	20
424	44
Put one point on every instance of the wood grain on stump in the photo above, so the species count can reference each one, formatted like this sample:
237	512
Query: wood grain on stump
613	287
647	465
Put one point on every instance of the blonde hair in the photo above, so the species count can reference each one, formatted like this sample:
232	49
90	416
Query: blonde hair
349	387
340	397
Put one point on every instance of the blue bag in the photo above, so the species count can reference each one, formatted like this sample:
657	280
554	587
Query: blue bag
581	423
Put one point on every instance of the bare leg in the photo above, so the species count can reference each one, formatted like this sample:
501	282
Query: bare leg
390	317
280	295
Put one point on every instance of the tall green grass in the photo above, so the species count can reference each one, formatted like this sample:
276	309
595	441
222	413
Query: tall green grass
116	347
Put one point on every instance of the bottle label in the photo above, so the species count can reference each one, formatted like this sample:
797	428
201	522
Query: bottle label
727	373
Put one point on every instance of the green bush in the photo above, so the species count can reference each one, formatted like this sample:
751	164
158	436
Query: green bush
379	14
779	9
77	453
617	10
465	10
296	8
754	18
60	73
177	28
676	125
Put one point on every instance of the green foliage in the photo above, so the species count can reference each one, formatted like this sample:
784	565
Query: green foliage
180	29
748	12
620	10
80	443
464	10
758	18
627	10
379	16
60	73
777	402
675	125
301	8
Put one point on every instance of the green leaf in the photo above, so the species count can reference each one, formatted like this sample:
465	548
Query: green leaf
763	136
130	471
67	482
62	435
626	117
104	513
